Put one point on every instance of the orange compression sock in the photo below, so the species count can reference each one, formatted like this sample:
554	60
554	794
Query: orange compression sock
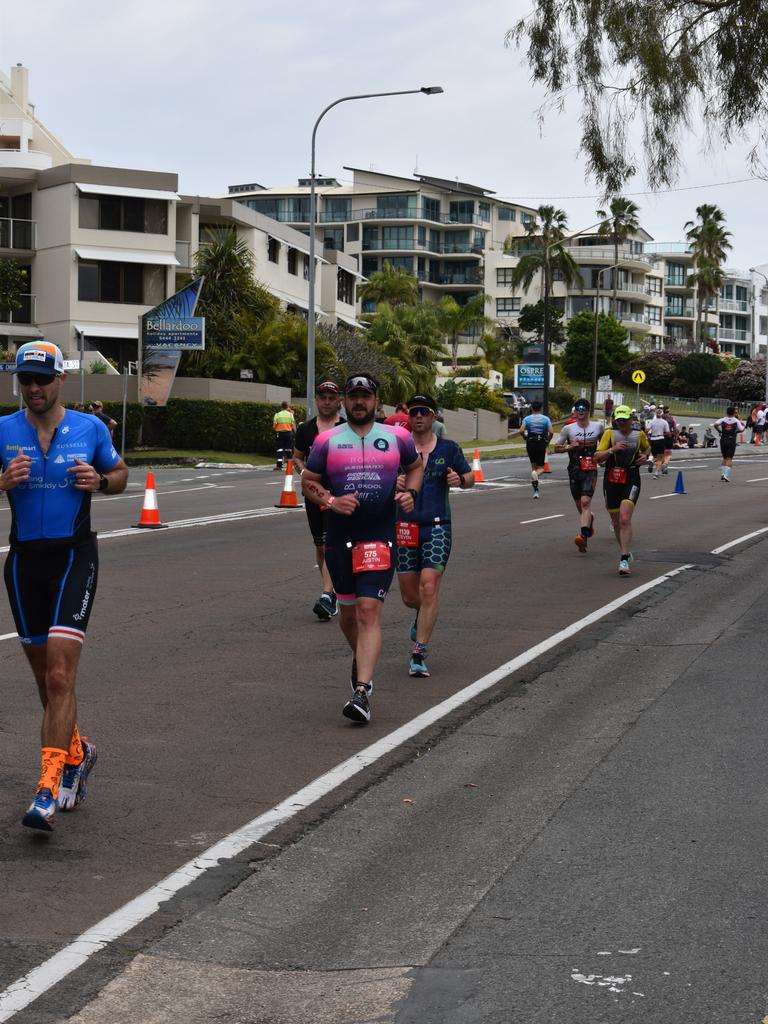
75	753
52	767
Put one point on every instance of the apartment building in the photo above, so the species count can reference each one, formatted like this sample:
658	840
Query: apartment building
449	234
102	245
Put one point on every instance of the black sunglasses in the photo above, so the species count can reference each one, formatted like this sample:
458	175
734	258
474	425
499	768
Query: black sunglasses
420	410
41	379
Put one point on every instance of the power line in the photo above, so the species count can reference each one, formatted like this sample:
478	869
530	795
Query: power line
652	192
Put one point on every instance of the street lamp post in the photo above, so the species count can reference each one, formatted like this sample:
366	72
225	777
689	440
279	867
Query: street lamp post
428	90
756	324
598	275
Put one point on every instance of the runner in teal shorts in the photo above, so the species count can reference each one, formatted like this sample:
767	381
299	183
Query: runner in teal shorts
424	535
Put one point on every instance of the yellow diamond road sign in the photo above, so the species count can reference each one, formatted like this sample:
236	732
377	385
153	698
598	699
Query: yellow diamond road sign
638	376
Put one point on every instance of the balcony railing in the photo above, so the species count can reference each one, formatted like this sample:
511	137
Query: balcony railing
676	281
461	277
406	245
24	315
737	305
417	213
684	311
633	318
594	252
16	233
731	334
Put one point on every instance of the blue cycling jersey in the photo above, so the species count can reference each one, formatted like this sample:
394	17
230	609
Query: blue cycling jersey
537	426
432	505
48	506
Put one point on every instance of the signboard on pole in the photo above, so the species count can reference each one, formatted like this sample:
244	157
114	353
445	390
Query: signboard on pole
164	333
531	375
246	375
604	384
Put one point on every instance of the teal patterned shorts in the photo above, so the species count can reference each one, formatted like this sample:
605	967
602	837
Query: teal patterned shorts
432	553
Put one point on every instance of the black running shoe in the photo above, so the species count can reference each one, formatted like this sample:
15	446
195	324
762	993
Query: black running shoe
358	708
321	610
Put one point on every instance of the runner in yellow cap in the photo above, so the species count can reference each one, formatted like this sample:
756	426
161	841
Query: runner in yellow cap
622	449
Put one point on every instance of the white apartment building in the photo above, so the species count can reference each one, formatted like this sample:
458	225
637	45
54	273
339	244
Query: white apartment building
102	245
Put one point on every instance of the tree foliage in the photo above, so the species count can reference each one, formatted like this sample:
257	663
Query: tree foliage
531	321
659	63
618	223
13	283
455	319
393	285
744	384
612	349
709	244
461	394
696	374
660	368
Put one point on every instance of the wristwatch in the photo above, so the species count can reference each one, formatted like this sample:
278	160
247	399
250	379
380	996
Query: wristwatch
103	483
413	492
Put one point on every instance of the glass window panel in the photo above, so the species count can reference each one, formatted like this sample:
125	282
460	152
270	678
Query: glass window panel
353	232
133	283
89	212
156	216
110	216
154	285
133	214
88	282
109	282
431	209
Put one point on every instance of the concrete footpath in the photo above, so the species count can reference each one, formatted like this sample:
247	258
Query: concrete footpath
588	846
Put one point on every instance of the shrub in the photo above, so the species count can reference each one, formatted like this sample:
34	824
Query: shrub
465	395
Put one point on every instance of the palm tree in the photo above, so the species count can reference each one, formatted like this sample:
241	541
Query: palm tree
393	285
455	319
544	253
709	245
618	223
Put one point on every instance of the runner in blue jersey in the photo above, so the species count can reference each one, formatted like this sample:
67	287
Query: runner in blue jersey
353	470
52	460
536	428
424	535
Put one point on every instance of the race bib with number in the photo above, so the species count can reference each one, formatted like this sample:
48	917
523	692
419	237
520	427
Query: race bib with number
588	463
407	534
617	475
371	556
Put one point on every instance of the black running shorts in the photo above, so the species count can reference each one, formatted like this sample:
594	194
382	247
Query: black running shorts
537	452
51	590
582	483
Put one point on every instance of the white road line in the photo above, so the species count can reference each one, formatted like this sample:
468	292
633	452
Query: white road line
8	636
183	490
525	522
42	978
757	480
739	540
657	496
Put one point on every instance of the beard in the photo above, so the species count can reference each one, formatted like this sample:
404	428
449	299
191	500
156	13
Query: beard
360	416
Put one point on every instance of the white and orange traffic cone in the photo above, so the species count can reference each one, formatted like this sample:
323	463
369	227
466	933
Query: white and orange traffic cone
150	513
288	495
477	469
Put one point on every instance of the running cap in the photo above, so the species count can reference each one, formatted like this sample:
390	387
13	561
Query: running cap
582	403
622	412
328	385
40	357
425	400
360	382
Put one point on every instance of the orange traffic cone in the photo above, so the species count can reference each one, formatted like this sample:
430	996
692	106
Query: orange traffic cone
288	496
477	469
150	513
546	467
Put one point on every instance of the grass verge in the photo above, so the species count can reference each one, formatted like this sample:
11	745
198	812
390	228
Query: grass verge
183	457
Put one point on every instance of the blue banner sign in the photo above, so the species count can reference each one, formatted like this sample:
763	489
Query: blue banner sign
531	375
186	333
7	367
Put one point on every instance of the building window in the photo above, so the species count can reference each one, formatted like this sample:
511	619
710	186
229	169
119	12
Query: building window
654	285
371	238
305	267
400	262
462	211
273	250
370	265
338	209
431	209
654	315
741	293
333	238
353	232
422	235
484	211
764	324
479	240
676	275
345	287
292	266
434	241
526	219
123	213
130	283
506	213
397	238
396	206
507	307
504	277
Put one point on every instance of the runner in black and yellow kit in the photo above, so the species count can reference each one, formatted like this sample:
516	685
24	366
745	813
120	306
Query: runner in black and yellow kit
580	440
622	449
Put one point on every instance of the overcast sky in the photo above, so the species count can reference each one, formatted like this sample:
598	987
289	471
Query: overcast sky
227	92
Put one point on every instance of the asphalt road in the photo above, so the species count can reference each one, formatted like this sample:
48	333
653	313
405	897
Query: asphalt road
213	693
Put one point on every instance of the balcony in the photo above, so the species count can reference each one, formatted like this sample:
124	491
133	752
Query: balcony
24	315
677	281
731	334
468	277
604	254
684	312
419	213
734	305
633	318
18	234
405	245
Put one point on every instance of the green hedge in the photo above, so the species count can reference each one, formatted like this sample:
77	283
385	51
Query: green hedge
193	424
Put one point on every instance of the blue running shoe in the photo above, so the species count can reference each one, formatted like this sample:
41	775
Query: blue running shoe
74	780
418	666
41	812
